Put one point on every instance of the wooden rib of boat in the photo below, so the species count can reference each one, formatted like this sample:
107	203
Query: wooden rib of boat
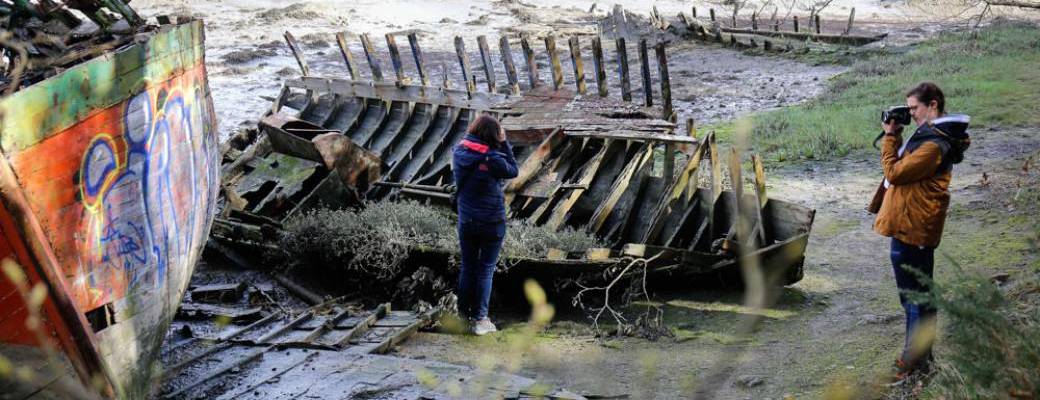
109	182
588	162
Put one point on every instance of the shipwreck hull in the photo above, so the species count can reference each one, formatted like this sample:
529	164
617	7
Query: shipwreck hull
615	169
109	178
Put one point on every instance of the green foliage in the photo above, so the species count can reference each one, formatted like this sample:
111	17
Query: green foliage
990	74
992	351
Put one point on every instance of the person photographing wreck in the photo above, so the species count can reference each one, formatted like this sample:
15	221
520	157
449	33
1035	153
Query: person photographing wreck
911	206
481	163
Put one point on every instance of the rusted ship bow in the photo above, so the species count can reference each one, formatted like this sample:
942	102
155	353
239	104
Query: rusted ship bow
108	181
617	169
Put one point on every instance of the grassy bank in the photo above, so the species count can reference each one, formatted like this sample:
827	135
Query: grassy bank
990	74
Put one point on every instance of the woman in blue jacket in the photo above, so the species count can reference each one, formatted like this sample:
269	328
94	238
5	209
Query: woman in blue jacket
481	163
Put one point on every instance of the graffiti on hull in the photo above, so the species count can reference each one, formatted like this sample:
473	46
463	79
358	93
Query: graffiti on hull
126	195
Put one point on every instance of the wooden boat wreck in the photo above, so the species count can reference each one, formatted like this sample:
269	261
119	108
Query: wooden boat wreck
588	161
109	182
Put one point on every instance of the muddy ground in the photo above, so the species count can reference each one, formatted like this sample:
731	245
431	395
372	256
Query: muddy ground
841	325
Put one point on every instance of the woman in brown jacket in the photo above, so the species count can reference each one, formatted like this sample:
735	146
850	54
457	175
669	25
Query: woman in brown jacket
916	196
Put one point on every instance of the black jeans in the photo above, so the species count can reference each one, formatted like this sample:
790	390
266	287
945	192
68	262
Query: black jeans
906	259
480	244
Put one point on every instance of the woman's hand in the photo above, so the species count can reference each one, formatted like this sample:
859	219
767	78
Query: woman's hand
892	128
501	135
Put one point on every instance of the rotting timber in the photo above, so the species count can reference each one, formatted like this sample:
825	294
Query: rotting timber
616	169
108	188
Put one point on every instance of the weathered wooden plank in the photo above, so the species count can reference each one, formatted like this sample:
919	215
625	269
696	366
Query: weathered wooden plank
395	59
374	117
417	54
489	68
673	201
739	218
554	61
621	184
467	75
346	115
629	135
852	15
438	132
534	163
297	53
364	325
400	114
370	55
344	50
760	197
510	66
532	64
579	68
591	168
667	112
716	184
597	64
422	117
408	93
626	85
644	69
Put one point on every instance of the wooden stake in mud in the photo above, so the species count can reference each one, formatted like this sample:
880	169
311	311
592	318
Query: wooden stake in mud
597	64
579	68
694	11
666	83
712	12
796	23
370	54
297	53
554	61
395	59
852	15
510	66
467	76
816	22
644	69
691	129
532	65
489	67
626	86
768	45
776	26
344	50
413	41
754	21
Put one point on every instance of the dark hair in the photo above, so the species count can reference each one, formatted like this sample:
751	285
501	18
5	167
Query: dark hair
926	92
485	128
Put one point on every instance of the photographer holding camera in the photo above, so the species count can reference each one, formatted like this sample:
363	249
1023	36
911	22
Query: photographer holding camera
911	205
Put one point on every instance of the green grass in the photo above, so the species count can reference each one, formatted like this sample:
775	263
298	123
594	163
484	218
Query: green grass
991	75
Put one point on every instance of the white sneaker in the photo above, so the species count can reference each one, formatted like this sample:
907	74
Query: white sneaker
483	327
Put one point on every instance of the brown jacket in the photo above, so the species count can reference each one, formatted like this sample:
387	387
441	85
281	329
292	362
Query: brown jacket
914	206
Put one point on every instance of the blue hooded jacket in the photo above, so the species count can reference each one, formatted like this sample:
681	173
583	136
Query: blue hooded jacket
480	171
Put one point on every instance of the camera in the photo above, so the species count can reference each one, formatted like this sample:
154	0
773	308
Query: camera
899	114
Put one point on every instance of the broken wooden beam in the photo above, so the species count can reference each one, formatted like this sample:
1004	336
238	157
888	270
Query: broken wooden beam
467	76
308	296
218	293
554	61
510	66
417	54
626	86
667	112
629	135
344	50
395	59
370	55
532	64
852	15
363	325
579	68
644	69
485	57
297	53
597	64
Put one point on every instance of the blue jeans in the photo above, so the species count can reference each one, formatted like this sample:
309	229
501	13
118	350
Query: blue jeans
923	261
480	244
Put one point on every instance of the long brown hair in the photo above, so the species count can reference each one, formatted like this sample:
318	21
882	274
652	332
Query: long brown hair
485	128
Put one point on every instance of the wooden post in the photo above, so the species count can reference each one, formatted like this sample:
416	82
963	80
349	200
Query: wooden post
666	83
413	41
776	26
768	45
716	184
817	23
579	68
467	76
644	69
852	15
620	22
489	68
626	86
712	12
760	195
597	64
532	65
694	10
554	61
754	21
796	23
395	59
739	220
297	53
733	19
669	163
691	129
507	61
344	50
370	54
